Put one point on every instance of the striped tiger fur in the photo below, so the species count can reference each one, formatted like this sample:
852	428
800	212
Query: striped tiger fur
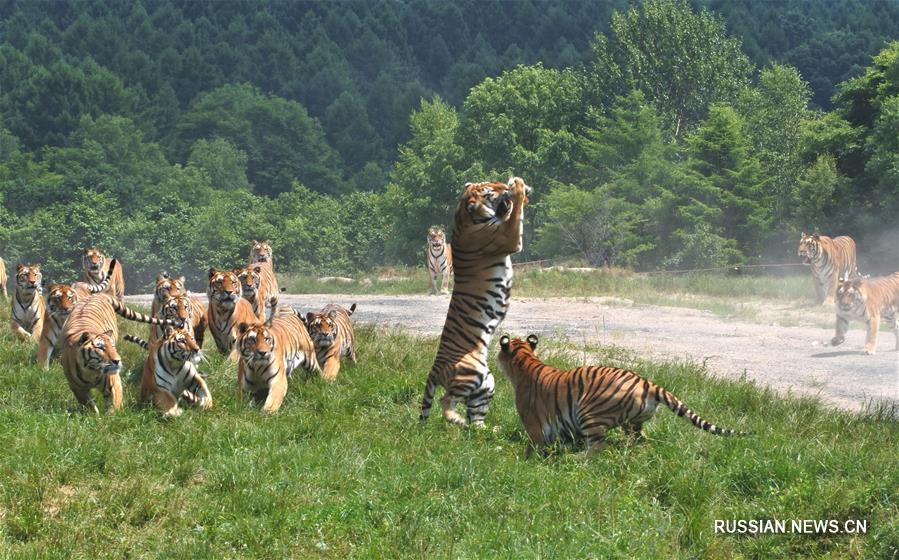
332	334
61	299
28	308
583	404
190	308
89	356
94	272
259	287
830	260
487	230
260	251
170	372
439	258
868	300
3	279
227	309
269	352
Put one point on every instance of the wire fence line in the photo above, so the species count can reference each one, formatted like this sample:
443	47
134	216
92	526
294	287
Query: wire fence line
542	263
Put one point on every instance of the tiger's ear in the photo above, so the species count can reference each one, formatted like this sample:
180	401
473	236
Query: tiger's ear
803	234
211	273
332	314
87	250
816	236
504	343
532	341
84	338
243	327
309	318
180	279
167	331
20	267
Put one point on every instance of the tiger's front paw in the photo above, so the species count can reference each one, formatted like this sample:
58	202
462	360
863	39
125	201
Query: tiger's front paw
869	352
835	341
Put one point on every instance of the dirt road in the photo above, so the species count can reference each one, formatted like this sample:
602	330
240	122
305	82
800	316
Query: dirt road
789	359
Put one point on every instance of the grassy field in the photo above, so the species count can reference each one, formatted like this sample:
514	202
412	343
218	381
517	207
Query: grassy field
346	470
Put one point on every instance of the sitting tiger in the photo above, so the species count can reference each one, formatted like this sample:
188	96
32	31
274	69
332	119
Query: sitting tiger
170	372
269	352
95	272
260	251
61	299
3	278
583	404
487	230
869	300
259	287
89	356
830	260
28	309
227	309
439	258
332	334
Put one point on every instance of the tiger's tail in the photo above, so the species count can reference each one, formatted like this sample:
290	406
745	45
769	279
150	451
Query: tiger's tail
96	289
137	340
681	409
139	317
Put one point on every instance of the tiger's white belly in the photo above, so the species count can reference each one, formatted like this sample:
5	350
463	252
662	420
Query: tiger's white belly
177	380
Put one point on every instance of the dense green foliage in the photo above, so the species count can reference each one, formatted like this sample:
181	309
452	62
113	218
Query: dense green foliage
345	470
170	134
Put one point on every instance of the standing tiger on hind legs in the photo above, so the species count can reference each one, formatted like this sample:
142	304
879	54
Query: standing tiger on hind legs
487	230
439	260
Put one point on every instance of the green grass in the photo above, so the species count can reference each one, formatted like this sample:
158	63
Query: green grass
345	470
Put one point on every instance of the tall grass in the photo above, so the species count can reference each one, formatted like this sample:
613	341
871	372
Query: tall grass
345	470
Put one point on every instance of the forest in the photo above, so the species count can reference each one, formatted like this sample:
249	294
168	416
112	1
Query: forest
661	134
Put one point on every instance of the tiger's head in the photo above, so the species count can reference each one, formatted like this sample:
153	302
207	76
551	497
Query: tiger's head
261	251
28	278
256	343
850	296
809	247
322	328
514	353
180	345
224	288
168	286
93	261
250	280
98	352
491	202
178	310
61	298
436	238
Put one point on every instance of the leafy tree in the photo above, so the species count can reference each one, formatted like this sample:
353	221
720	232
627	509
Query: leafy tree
225	165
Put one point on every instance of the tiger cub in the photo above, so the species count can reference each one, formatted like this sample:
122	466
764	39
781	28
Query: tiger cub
61	299
439	259
487	231
28	308
869	300
584	403
94	272
259	287
170	371
332	333
269	352
260	251
187	308
89	356
227	309
3	278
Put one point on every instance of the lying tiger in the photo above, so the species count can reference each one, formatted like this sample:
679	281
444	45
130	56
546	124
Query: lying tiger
584	403
868	300
170	372
332	334
269	352
61	299
89	356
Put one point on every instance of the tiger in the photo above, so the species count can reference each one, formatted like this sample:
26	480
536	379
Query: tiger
259	287
439	258
487	230
3	278
170	372
227	309
869	300
28	308
94	272
583	404
189	308
332	333
260	251
89	355
830	260
269	352
61	299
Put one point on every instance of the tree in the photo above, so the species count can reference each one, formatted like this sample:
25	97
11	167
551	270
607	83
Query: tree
225	165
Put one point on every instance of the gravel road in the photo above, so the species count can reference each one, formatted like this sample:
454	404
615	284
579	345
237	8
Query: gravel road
789	359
